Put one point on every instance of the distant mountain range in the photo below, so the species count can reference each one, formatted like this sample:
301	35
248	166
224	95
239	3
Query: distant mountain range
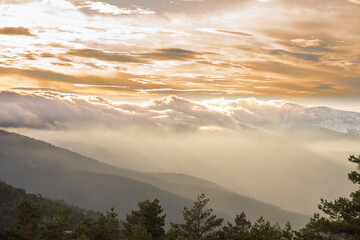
57	173
290	115
49	110
335	120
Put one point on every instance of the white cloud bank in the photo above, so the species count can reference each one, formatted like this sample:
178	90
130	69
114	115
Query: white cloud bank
107	8
41	109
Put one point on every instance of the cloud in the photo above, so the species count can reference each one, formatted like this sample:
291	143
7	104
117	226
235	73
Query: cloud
303	56
354	1
45	109
238	41
306	43
51	110
106	8
326	86
42	89
171	54
15	31
105	56
235	33
159	54
39	74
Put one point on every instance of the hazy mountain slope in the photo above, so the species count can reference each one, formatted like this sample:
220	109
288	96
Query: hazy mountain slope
57	173
293	115
333	119
276	168
232	203
221	199
39	167
128	156
11	196
184	179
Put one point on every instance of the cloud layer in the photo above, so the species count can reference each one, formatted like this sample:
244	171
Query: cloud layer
44	109
150	49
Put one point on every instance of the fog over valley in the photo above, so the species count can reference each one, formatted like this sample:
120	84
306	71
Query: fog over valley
263	153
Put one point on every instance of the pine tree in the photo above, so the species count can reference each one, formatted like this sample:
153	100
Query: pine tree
149	216
287	232
56	229
28	224
263	230
106	227
86	229
199	224
138	232
112	225
238	231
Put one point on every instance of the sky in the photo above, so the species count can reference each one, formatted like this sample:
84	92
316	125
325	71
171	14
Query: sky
300	50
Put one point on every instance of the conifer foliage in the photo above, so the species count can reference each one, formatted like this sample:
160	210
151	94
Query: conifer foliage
200	223
28	225
149	217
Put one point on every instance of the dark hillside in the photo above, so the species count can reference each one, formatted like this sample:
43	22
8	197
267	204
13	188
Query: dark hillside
10	198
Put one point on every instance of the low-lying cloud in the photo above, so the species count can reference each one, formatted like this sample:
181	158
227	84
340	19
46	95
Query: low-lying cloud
44	109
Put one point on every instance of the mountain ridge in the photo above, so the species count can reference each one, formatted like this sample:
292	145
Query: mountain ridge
73	173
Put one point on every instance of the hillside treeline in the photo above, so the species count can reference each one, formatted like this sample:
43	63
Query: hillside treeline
340	220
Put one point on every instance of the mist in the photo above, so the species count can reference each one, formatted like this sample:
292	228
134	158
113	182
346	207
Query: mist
274	151
285	169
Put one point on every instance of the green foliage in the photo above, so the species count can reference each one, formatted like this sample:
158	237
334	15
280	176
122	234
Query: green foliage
56	229
260	230
28	224
112	225
84	230
238	231
199	224
106	227
287	232
146	223
263	230
148	216
11	197
343	221
138	232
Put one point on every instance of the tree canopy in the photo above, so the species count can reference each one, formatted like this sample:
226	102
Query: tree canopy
149	216
200	223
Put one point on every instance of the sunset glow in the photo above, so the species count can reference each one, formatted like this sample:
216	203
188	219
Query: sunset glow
123	50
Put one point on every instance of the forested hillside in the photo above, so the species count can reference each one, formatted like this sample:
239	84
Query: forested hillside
33	218
10	197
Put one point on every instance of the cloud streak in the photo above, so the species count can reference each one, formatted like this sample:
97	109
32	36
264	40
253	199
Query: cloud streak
101	55
15	31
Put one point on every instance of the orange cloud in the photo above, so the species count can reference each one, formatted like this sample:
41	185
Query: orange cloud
15	31
193	48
